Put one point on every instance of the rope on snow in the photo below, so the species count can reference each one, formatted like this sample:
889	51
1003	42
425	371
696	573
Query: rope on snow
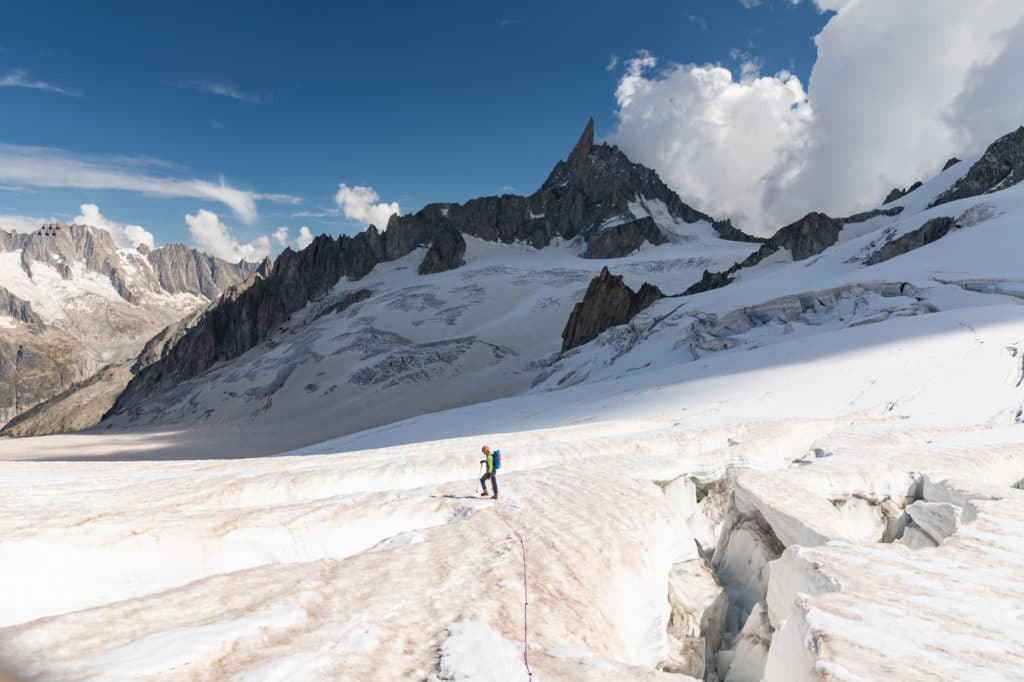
526	596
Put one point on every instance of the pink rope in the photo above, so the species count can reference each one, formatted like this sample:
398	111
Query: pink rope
526	598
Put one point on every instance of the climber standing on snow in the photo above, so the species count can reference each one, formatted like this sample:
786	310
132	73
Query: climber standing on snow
493	462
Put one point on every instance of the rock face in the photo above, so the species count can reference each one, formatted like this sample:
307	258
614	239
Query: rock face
17	309
447	252
54	337
1001	166
620	240
34	366
934	229
607	303
949	164
79	407
180	269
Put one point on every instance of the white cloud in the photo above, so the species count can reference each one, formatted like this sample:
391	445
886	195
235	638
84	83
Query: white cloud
304	239
125	236
705	132
24	223
360	204
897	89
20	79
220	88
613	62
209	234
48	167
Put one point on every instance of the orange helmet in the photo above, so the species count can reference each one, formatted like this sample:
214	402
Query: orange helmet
485	449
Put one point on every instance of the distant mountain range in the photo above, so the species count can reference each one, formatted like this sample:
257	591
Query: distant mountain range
400	315
71	302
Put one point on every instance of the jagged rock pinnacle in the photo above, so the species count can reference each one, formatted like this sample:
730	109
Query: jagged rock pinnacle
584	145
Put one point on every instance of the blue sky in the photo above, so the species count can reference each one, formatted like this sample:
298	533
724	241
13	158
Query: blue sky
422	101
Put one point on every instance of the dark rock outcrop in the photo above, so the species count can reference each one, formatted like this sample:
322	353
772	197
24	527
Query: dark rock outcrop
949	164
931	231
726	230
804	238
345	303
447	252
898	193
625	238
1001	166
607	303
711	280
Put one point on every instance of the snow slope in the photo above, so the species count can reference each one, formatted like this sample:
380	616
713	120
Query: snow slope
420	343
813	473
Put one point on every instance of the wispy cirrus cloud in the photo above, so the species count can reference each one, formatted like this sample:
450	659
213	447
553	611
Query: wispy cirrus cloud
322	213
49	167
221	88
19	78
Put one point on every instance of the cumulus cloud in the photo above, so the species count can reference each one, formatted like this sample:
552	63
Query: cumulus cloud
361	204
304	239
897	89
706	132
20	79
209	234
125	236
48	167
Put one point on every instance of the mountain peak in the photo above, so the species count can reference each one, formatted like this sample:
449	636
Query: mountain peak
583	145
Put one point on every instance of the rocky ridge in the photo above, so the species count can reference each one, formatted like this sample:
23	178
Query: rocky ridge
1001	166
804	238
587	197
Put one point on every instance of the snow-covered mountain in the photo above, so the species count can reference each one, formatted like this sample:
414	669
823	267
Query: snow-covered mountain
453	305
807	468
72	302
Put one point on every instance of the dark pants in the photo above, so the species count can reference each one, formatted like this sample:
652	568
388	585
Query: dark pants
493	475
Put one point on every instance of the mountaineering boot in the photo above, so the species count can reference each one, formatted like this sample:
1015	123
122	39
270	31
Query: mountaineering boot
495	497
485	494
